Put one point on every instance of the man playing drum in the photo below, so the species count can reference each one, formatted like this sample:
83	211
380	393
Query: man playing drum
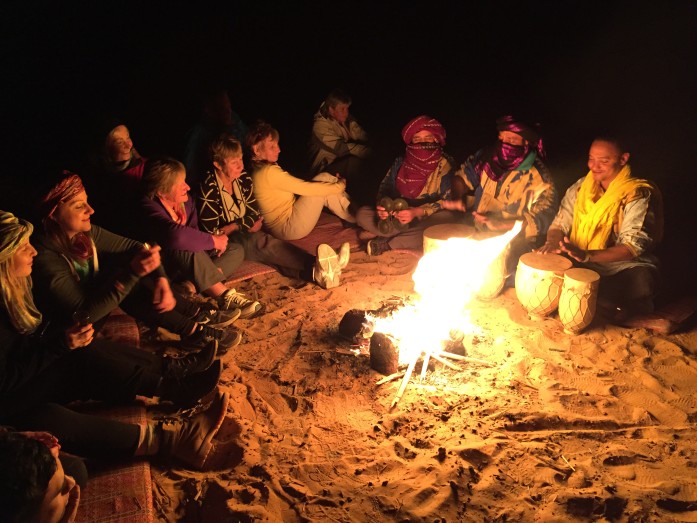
610	222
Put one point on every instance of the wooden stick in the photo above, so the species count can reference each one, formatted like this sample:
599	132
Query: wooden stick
424	366
407	376
445	362
465	358
389	378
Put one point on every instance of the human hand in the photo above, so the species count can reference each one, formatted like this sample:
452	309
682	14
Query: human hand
407	215
549	248
219	243
46	438
381	212
146	260
71	507
257	225
572	250
453	205
79	336
163	298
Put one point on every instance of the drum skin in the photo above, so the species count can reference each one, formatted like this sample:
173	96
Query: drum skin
538	282
578	298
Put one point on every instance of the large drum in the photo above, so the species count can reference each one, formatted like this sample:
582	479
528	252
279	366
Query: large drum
578	298
437	234
538	282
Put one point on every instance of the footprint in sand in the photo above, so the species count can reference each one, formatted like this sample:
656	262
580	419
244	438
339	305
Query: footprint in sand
660	410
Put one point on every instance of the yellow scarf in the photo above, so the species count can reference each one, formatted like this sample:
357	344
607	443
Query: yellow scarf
595	212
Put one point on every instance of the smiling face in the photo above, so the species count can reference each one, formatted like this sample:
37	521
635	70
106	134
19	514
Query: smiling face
119	145
57	498
268	150
179	192
73	216
605	161
22	260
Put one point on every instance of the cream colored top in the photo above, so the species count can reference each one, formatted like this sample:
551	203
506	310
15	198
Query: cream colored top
276	191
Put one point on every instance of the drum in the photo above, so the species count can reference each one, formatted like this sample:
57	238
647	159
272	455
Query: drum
579	294
538	282
494	277
437	234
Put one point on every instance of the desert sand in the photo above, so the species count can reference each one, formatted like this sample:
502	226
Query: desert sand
598	426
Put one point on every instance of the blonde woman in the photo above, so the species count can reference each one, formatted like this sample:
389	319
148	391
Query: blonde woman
40	373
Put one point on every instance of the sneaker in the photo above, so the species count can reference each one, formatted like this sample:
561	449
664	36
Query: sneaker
377	246
344	254
204	334
217	318
326	271
190	440
187	391
232	299
192	363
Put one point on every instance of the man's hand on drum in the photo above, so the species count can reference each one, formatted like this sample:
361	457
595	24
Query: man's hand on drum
553	243
572	251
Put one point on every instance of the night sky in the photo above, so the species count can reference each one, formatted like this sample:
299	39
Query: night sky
578	67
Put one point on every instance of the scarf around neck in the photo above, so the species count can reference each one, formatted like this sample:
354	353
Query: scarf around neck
596	212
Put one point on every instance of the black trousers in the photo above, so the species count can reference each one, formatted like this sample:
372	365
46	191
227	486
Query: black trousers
104	371
138	304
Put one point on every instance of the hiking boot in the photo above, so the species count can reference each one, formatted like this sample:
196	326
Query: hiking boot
377	246
344	254
217	318
326	271
192	363
185	392
231	299
203	334
190	440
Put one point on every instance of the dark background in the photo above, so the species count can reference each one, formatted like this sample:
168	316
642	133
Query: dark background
578	67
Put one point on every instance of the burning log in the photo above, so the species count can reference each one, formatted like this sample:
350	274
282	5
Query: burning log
384	356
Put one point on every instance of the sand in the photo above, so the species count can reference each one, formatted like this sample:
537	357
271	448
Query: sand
598	426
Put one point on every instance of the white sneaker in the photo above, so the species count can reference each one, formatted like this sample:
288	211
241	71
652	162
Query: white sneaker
231	299
327	269
344	255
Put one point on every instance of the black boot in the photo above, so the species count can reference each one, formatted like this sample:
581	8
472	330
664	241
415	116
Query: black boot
186	392
192	363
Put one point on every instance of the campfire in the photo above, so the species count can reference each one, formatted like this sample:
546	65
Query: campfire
449	276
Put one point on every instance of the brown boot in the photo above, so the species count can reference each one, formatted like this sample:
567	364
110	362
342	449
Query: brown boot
190	440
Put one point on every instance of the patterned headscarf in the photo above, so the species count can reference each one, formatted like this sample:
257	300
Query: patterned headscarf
13	232
421	159
80	246
16	293
501	158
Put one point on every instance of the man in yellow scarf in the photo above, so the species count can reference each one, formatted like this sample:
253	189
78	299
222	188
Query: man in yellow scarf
609	222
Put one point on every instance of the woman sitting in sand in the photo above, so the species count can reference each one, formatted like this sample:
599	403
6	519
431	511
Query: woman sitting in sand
226	204
170	218
291	206
82	267
410	196
40	373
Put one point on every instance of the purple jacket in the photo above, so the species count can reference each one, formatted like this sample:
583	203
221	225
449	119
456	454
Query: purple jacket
170	235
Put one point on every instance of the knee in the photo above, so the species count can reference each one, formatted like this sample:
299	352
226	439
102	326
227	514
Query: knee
325	177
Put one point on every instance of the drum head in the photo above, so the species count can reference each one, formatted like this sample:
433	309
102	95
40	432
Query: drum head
582	275
448	230
546	262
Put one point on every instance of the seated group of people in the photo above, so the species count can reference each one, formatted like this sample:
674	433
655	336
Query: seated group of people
152	231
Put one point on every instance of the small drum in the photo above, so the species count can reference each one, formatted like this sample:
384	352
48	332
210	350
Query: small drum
579	294
538	282
437	234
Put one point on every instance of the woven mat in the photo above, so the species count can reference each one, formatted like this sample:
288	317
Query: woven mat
119	494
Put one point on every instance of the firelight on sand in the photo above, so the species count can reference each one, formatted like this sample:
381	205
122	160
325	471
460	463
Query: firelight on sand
446	280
